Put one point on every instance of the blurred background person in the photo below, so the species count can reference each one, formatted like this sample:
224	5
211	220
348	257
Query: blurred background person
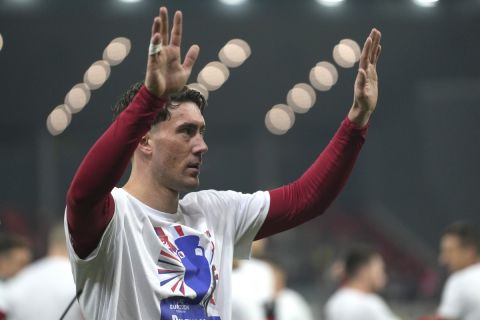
15	254
460	254
287	304
259	290
45	289
357	299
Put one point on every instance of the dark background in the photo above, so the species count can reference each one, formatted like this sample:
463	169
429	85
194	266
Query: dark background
417	172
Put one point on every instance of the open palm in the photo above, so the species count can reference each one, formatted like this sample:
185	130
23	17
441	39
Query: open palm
166	73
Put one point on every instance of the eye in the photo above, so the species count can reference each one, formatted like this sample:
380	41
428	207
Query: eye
188	130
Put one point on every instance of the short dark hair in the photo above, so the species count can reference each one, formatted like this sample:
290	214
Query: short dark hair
467	233
357	257
184	95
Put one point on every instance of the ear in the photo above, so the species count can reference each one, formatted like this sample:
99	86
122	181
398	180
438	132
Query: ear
144	145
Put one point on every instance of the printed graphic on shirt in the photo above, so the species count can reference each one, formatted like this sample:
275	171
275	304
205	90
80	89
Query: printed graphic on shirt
186	274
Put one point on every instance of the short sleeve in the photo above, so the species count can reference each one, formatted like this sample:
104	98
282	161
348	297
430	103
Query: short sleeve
451	303
239	216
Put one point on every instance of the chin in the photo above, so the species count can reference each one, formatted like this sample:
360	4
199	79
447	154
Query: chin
190	185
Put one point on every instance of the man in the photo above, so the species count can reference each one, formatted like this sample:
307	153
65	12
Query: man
460	253
357	299
44	289
138	252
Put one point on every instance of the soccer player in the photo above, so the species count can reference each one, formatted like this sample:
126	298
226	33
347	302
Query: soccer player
357	299
139	252
460	253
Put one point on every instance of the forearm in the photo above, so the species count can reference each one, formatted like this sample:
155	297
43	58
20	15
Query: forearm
89	203
315	190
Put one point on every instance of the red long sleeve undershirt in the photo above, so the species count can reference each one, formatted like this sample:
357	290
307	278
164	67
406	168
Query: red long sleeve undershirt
90	206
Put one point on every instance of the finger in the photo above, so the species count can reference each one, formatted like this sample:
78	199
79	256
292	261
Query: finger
190	58
365	53
176	36
377	54
376	36
155	31
164	25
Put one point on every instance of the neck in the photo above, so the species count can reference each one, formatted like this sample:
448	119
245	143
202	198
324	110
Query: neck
153	195
359	285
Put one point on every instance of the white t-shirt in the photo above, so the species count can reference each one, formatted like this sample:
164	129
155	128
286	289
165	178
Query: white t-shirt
351	304
43	291
252	288
154	265
290	305
461	295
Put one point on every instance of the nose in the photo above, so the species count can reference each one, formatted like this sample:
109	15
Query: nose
200	146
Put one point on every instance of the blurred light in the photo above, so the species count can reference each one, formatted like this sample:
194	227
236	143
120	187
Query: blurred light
301	98
58	120
323	76
200	88
279	119
117	51
234	53
97	74
1	42
130	1
233	2
426	3
213	75
344	55
354	46
330	3
77	98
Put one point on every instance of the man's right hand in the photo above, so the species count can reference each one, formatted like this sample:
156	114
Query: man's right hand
165	72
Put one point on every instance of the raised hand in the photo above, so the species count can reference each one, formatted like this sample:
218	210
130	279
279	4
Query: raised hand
166	73
366	83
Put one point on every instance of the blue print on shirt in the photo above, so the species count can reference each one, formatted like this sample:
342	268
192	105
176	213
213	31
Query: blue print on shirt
196	275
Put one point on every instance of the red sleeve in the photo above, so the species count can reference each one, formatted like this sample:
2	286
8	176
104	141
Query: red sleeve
309	196
90	206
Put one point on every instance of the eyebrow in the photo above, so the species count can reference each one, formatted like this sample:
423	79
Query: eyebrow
191	125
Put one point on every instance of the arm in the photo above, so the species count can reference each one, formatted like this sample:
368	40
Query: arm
315	190
90	207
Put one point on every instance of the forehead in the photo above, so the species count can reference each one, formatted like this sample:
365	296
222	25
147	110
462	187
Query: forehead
184	112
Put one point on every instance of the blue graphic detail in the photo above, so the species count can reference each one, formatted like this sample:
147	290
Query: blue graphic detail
197	277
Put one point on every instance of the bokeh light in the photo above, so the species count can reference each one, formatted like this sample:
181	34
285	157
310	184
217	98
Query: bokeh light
78	97
344	55
117	50
279	119
58	120
301	98
213	75
234	53
323	76
97	74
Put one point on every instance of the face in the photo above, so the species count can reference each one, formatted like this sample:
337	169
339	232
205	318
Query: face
453	255
14	261
376	273
175	148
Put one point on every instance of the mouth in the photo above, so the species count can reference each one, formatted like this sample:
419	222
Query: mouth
194	166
